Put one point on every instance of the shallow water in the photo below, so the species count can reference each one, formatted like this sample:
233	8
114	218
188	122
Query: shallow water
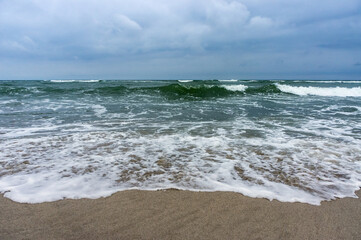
286	140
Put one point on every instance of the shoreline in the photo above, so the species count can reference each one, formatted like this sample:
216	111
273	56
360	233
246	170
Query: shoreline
178	214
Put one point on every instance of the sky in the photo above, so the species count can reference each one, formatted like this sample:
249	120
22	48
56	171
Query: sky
180	39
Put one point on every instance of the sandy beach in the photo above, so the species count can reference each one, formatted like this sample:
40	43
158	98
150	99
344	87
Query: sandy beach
174	214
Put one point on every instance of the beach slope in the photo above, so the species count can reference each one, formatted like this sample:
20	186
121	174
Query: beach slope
173	214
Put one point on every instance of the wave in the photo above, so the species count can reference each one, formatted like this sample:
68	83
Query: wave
319	91
267	89
344	110
228	80
115	90
235	88
201	91
327	81
15	90
69	81
170	91
215	91
275	166
208	89
185	81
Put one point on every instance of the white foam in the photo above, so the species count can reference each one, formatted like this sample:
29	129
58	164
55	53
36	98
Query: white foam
45	128
91	81
99	110
345	110
228	80
319	91
328	81
69	81
96	163
185	81
235	88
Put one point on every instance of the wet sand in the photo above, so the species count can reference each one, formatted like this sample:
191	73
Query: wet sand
176	214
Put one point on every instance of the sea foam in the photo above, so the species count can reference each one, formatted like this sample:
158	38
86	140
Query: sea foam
71	81
76	140
97	163
235	88
185	81
228	80
321	91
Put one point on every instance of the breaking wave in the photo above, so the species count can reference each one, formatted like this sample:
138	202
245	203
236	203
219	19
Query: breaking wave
321	91
207	89
69	81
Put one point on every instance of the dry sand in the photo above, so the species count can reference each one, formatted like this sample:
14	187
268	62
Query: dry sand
176	214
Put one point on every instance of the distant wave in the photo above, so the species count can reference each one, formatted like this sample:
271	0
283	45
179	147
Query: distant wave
265	89
201	91
170	91
206	89
68	81
319	91
184	81
228	80
327	81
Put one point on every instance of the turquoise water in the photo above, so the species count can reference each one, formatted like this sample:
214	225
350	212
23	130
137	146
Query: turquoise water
285	140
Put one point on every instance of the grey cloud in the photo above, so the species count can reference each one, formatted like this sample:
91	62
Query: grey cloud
179	34
304	12
121	28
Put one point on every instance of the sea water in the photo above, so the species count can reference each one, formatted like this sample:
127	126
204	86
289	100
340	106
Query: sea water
294	141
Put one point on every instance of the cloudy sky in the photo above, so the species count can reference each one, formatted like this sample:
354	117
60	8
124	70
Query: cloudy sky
180	39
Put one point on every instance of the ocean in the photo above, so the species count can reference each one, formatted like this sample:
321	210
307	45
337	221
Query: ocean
294	141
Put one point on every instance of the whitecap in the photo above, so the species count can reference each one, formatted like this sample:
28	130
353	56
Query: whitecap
99	110
327	81
69	81
185	81
235	88
319	91
228	80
